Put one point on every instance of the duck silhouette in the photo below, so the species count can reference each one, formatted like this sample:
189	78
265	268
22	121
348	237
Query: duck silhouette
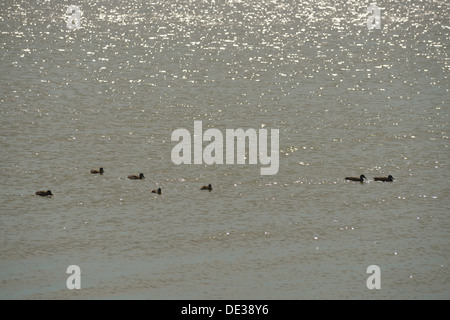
44	193
208	187
157	191
360	179
384	179
97	171
134	177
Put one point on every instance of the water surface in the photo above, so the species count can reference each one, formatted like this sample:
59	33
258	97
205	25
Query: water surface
347	101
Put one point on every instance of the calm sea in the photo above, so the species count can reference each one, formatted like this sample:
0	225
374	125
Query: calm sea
346	100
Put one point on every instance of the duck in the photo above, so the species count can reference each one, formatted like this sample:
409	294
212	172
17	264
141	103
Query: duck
360	179
208	187
384	179
97	171
134	177
157	191
44	193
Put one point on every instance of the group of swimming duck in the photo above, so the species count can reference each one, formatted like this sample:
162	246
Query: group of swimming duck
48	193
362	177
209	187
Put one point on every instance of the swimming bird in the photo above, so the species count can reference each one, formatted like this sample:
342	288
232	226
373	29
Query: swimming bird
360	179
157	191
44	193
384	179
208	187
140	176
97	171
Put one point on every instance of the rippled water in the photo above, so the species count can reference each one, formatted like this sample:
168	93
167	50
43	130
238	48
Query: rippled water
347	101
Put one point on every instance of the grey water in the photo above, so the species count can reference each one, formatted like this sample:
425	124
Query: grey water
346	100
